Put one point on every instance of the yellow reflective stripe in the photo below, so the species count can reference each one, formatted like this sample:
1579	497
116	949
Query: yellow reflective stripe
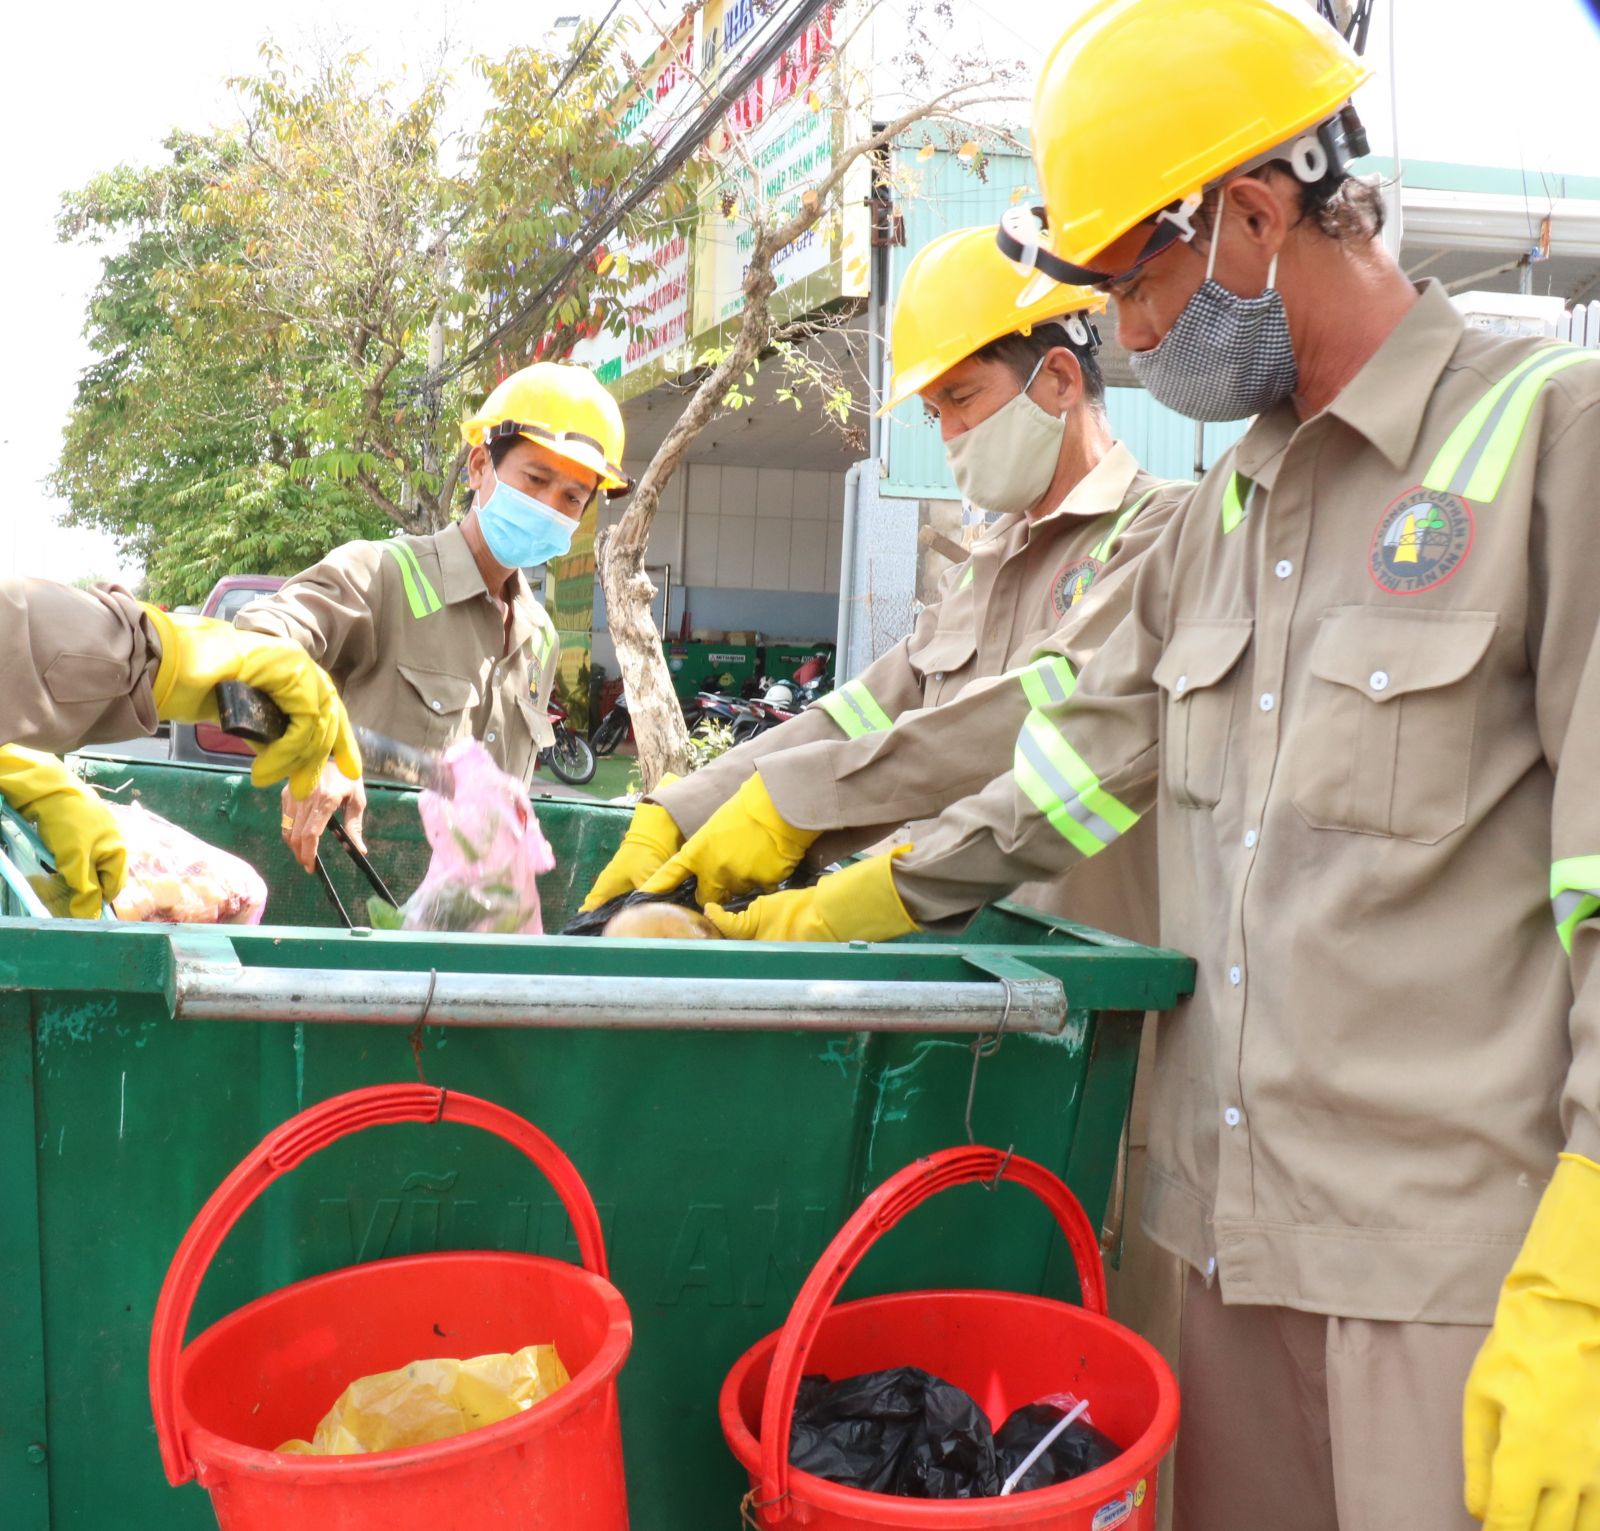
420	595
1102	549
1574	894
966	577
1059	783
1046	682
855	710
1236	500
1474	459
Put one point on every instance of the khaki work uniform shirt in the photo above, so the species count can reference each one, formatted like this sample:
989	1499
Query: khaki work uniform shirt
1360	682
79	665
417	645
933	719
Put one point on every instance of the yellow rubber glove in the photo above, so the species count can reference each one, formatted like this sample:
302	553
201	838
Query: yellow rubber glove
745	844
198	653
1531	1421
76	827
858	903
653	836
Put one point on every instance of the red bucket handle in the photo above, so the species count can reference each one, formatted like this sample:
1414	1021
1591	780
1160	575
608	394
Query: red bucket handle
885	1207
278	1153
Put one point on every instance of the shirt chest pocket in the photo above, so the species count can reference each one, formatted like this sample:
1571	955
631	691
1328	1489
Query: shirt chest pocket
1386	740
437	706
945	665
1199	671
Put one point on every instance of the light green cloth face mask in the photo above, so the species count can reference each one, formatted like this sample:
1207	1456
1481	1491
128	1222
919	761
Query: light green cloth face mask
1005	463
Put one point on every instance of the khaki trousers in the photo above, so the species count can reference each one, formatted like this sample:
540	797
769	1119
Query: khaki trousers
1300	1422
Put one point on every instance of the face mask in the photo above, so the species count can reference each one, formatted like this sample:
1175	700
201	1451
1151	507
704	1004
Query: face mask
521	531
1226	357
1006	462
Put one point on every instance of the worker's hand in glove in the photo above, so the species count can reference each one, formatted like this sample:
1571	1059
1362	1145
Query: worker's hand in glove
745	844
1531	1437
76	827
197	654
653	836
305	818
858	903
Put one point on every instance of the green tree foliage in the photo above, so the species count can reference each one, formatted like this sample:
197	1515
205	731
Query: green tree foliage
284	306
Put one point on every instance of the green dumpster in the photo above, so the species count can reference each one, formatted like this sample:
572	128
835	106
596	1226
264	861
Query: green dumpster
727	1104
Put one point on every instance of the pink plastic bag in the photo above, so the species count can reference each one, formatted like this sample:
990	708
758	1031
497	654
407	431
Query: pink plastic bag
488	851
175	876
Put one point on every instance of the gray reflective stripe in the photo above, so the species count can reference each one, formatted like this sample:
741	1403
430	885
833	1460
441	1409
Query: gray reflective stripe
1028	748
1568	904
1480	444
1052	681
846	695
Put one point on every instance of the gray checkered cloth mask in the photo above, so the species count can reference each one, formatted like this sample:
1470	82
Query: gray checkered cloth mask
1225	357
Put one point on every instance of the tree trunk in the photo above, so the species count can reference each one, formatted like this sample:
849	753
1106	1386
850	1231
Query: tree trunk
658	726
619	552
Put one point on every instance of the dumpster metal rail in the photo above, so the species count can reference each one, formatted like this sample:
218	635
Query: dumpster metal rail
214	986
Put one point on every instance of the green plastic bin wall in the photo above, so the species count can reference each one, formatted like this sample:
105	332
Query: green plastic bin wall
722	1162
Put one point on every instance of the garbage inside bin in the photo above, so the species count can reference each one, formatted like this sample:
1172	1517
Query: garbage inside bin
174	876
903	1431
432	1401
488	852
1073	1449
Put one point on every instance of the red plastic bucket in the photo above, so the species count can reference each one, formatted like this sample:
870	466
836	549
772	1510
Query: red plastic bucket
1004	1348
271	1370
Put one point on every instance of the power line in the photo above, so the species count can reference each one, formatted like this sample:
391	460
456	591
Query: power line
758	59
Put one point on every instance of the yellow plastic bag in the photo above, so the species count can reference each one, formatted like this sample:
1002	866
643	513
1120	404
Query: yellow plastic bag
433	1400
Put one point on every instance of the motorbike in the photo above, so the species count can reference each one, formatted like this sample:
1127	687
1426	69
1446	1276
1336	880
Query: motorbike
616	725
569	755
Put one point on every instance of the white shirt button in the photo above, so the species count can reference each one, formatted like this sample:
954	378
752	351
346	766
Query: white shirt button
1379	680
488	738
1211	1267
1231	1116
1180	685
437	705
1283	568
1249	839
1266	701
1234	975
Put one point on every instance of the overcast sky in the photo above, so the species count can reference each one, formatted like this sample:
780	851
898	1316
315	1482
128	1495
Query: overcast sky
101	85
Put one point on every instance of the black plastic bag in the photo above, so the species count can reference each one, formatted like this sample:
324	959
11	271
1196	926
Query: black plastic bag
900	1431
1079	1449
594	921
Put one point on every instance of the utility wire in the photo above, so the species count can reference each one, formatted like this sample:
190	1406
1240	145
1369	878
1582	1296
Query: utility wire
757	61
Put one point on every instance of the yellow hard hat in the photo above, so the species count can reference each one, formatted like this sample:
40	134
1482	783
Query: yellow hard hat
958	294
563	408
1144	104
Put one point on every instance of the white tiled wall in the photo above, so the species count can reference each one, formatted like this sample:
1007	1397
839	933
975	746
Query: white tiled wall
752	528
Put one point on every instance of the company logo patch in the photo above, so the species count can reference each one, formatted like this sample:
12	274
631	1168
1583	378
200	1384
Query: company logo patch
1071	582
1422	539
1113	1514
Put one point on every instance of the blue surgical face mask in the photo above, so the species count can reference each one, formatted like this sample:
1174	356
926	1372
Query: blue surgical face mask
522	532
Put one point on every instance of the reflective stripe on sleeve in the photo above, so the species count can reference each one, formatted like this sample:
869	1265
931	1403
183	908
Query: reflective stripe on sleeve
1473	461
1058	782
855	710
420	595
1046	682
1101	551
1574	894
